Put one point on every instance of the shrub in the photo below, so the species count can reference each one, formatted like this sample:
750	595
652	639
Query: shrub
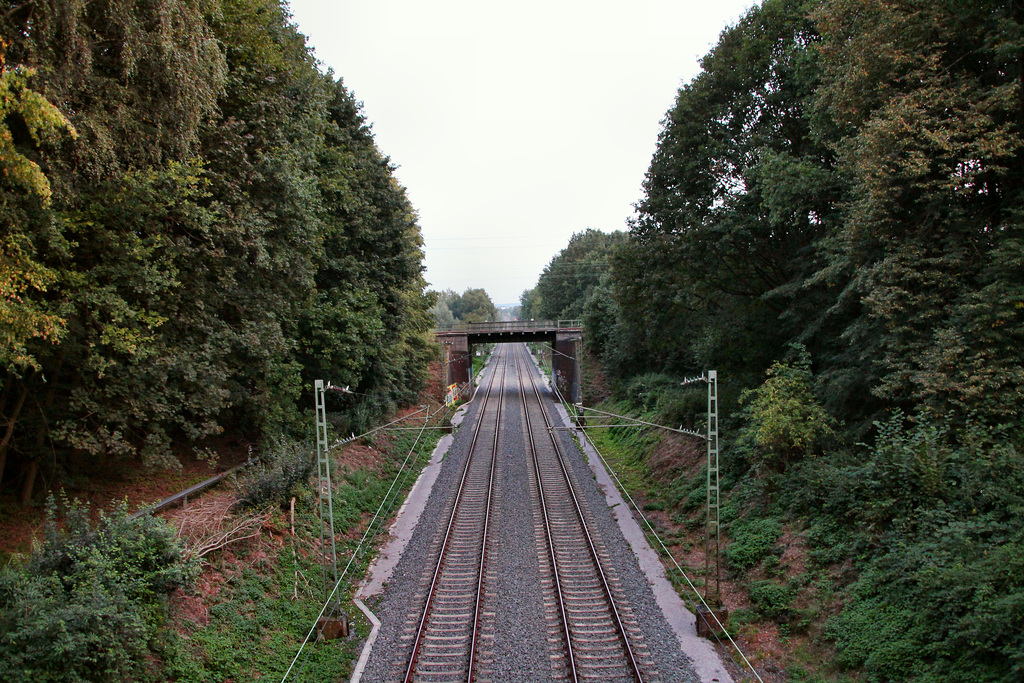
771	599
86	604
644	392
752	541
286	466
883	638
785	422
697	496
941	593
827	542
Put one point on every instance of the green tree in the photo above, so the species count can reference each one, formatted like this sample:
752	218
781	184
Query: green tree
25	190
566	282
474	306
738	192
785	422
135	81
223	230
442	314
134	84
25	194
368	278
529	304
926	97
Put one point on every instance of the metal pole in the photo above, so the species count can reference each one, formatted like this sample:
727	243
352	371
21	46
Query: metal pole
327	543
712	528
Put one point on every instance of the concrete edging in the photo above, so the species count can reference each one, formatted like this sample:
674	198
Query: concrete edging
706	662
364	656
399	534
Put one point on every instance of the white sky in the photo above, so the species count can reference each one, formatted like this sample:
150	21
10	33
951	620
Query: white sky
514	125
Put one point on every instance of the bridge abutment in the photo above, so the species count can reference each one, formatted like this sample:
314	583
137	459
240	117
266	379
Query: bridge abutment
458	359
565	365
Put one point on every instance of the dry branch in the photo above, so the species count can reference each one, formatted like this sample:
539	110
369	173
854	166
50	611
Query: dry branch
208	526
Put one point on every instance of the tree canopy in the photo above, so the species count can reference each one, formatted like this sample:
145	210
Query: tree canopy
472	306
196	223
845	175
566	282
832	220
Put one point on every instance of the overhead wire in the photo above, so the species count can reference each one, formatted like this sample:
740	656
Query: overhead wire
654	533
403	474
331	602
342	442
668	554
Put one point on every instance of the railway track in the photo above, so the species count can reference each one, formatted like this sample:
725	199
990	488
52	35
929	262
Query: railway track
586	608
445	640
591	633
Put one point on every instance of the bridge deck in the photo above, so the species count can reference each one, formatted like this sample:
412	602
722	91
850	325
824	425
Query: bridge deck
530	327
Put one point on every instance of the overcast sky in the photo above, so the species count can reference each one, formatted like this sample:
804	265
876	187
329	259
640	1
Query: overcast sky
514	125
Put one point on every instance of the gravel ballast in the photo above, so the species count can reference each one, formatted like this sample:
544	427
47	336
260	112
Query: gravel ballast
516	642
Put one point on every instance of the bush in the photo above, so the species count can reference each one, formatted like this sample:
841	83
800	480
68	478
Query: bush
771	599
885	639
86	604
697	497
644	392
752	541
785	422
683	406
827	542
941	595
286	466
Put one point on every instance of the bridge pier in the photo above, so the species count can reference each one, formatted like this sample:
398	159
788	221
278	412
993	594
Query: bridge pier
458	359
565	365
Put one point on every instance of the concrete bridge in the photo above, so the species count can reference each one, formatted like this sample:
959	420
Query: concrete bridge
564	336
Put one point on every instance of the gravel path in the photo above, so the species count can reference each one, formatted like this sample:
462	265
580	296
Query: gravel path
516	642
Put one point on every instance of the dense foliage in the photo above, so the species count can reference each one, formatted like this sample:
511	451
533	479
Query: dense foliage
90	599
566	282
472	306
270	592
285	468
846	175
195	223
832	220
935	510
100	601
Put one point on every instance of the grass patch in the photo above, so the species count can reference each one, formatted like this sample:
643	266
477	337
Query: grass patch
626	450
253	624
481	354
777	609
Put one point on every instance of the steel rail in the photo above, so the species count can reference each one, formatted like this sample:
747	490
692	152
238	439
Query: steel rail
487	523
557	579
634	666
421	628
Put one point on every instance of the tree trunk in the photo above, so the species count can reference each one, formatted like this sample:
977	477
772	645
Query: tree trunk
6	391
30	481
9	432
33	469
